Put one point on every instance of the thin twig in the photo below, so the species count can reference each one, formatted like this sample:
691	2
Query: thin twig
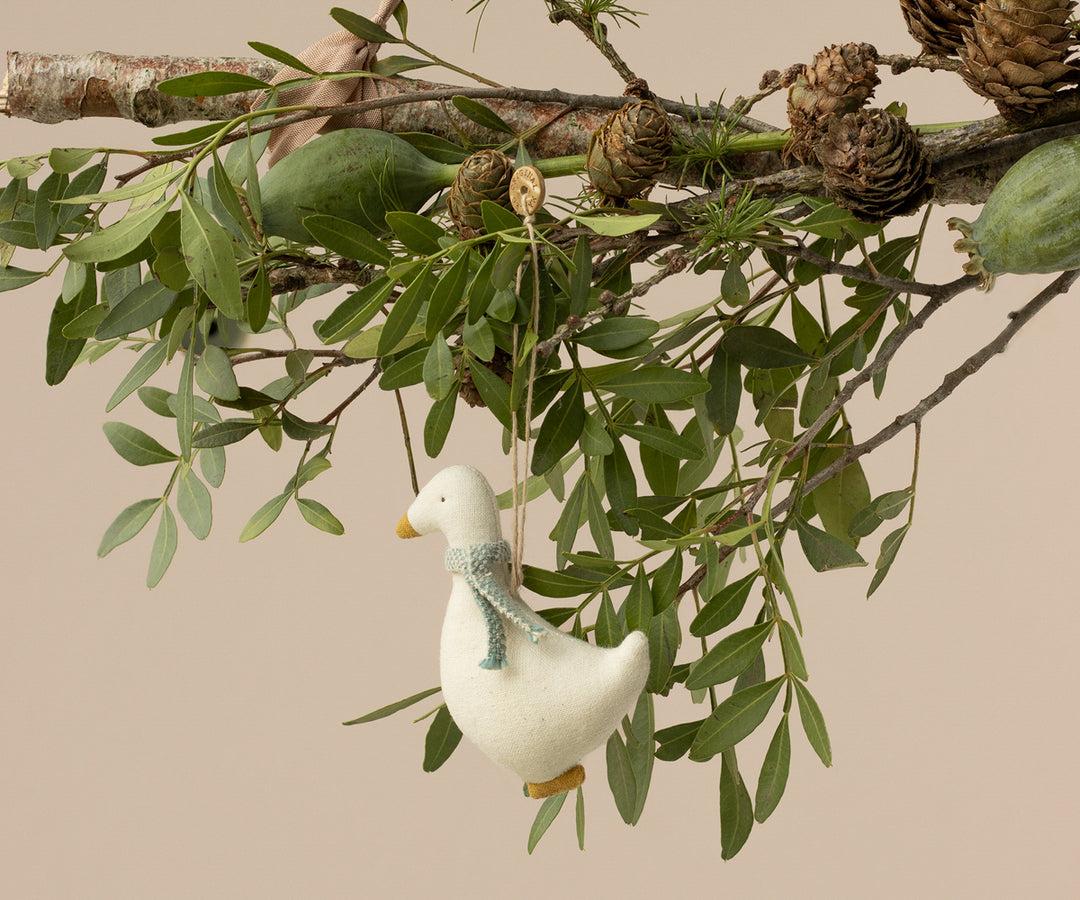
408	441
563	12
343	405
949	383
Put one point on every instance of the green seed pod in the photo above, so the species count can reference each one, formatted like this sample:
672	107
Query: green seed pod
1030	223
356	174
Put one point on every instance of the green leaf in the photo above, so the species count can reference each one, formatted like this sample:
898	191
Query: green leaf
135	446
774	771
479	339
46	215
22	167
497	218
666	580
736	811
210	84
297	363
724	608
615	334
70	159
609	632
621	487
439	375
442	739
383	711
418	233
61	353
147	364
560	429
11	278
813	723
549	809
830	222
618	225
319	516
259	297
228	432
347	239
193	503
579	818
298	429
734	719
20	233
493	391
212	465
405	371
598	523
281	56
164	548
665	636
595	440
664	440
725	391
446	297
656	384
184	408
728	658
395	65
554	584
676	740
264	517
793	654
362	27
889	548
757	347
139	309
209	251
437	424
403	314
128	524
188	136
118	239
639	605
825	552
640	744
214	374
620	774
481	115
355	311
837	500
734	288
887	506
581	276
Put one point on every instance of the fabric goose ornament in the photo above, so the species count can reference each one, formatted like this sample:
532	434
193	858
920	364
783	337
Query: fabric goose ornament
534	699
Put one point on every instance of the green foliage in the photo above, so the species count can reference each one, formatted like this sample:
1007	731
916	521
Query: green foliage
685	449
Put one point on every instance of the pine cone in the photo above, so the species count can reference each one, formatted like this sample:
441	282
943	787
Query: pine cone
483	176
874	165
1017	53
936	24
629	150
840	80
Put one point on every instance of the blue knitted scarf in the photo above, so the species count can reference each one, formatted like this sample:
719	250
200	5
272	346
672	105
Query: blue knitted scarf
475	564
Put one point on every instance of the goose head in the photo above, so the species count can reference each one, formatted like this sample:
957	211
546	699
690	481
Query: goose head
460	503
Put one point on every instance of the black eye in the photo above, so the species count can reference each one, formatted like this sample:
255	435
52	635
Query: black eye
442	499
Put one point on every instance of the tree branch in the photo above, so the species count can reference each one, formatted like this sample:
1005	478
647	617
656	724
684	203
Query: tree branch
949	383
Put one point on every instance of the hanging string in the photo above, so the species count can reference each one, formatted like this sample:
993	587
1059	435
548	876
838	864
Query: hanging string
527	195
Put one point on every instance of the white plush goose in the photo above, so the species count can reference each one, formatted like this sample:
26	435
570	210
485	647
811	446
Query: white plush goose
540	699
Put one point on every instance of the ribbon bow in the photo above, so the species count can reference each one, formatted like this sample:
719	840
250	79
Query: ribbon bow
475	564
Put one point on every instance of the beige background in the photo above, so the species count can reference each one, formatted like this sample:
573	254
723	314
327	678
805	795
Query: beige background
186	742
